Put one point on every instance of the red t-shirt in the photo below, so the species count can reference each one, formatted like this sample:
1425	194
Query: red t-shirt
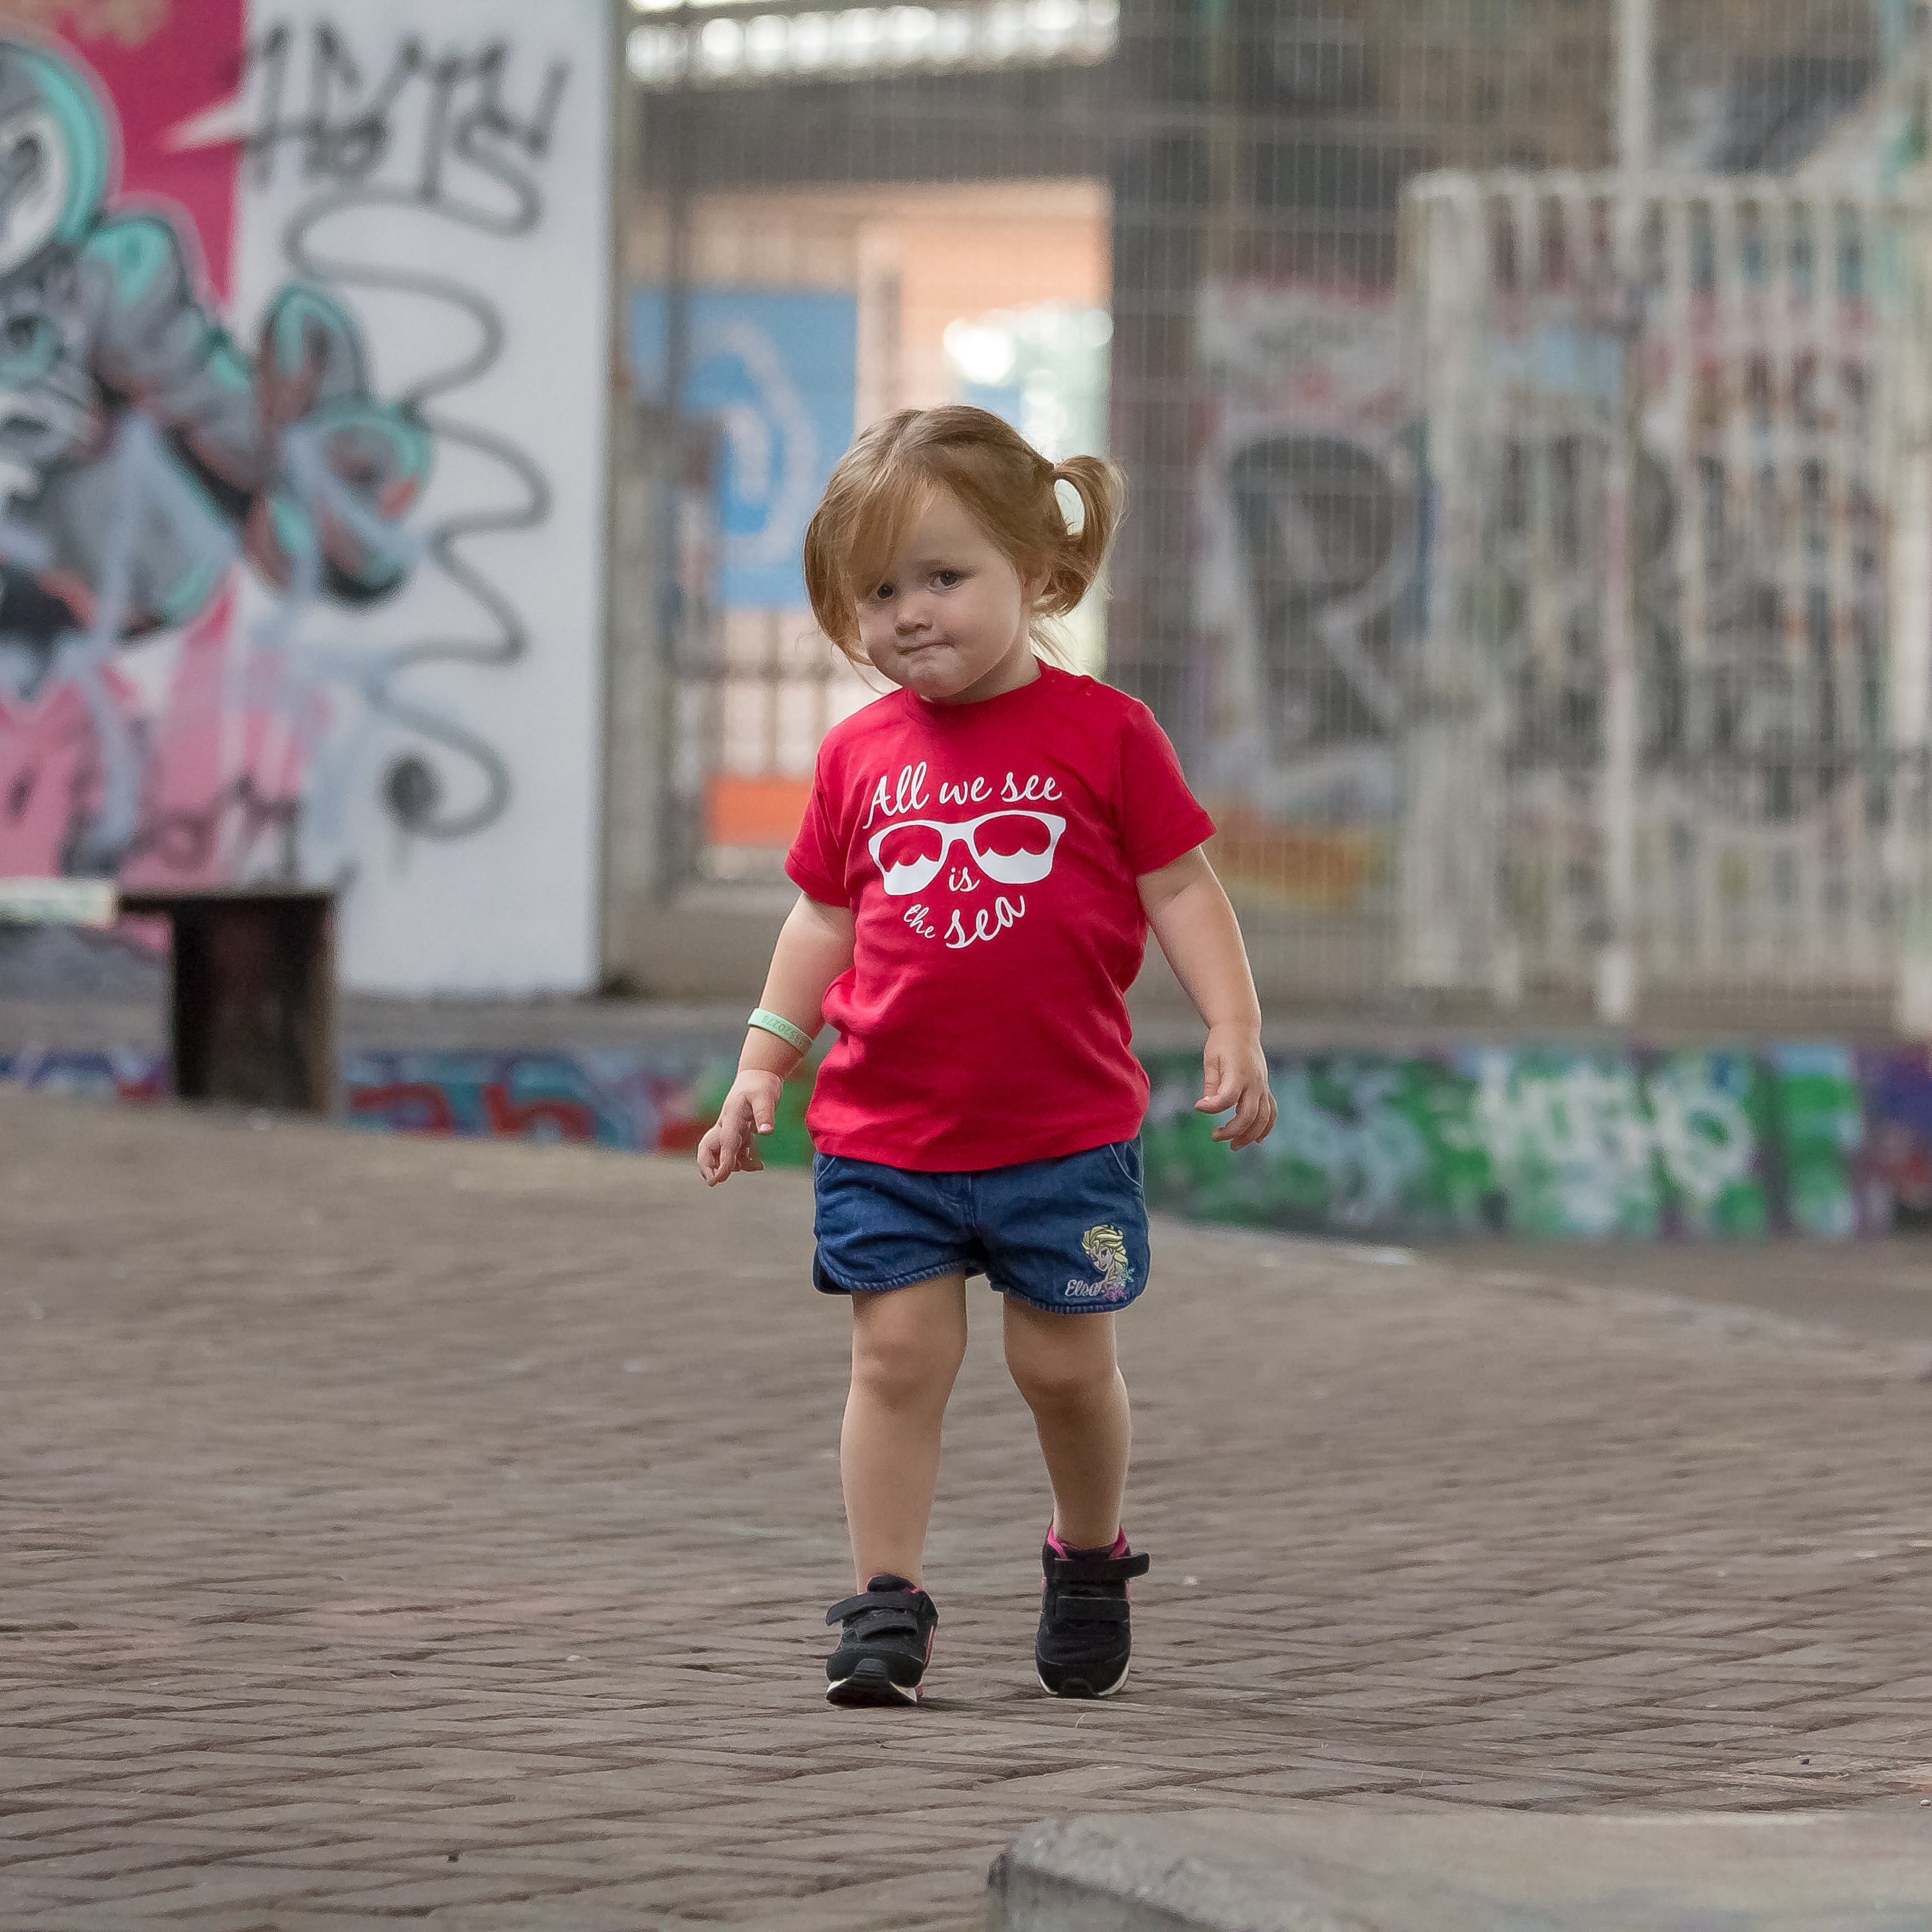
989	852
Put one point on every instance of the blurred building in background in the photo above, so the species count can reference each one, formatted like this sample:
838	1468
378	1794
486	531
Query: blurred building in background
414	414
1517	546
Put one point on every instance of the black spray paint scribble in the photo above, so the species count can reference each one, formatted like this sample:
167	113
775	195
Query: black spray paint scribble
339	122
184	840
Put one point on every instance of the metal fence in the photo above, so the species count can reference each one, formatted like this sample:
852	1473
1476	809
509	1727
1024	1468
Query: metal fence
1662	731
1180	232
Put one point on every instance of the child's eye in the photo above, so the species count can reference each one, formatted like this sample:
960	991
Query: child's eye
946	579
884	594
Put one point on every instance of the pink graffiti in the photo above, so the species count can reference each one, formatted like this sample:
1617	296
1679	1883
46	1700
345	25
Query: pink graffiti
408	1106
222	775
226	772
148	1087
49	774
571	1119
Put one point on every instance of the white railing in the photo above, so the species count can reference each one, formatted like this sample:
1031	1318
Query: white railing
1667	727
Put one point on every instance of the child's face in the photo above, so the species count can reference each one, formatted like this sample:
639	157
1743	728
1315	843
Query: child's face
950	621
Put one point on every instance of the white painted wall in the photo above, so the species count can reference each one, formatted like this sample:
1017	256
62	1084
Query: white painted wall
509	907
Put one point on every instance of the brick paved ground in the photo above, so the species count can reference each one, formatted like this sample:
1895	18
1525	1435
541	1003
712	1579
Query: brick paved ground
437	1532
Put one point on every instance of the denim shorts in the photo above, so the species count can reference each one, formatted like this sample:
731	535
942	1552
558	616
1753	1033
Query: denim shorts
1069	1235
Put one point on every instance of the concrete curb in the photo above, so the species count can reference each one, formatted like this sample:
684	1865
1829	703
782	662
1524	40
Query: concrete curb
1124	1875
1320	1867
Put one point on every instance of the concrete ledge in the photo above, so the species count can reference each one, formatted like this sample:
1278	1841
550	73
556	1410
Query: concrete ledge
1339	1868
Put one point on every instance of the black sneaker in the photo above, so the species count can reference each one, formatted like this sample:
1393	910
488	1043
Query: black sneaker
885	1646
1084	1639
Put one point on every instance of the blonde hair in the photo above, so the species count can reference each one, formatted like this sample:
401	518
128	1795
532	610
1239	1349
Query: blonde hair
889	475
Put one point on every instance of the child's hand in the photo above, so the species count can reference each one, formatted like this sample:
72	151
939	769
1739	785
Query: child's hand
750	1109
1235	1075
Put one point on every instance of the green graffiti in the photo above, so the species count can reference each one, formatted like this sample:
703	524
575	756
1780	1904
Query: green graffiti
1822	1127
1553	1142
1569	1141
788	1145
1362	1143
1711	1117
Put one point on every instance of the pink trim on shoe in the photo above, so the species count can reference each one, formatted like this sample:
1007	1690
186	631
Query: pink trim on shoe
1119	1547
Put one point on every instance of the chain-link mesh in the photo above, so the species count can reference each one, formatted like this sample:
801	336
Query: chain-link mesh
1650	714
1182	231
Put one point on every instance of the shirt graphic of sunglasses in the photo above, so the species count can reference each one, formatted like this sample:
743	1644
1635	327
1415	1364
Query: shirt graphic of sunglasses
1012	848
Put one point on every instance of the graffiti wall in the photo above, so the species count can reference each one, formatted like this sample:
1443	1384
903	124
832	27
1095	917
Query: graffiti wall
649	1103
1306	491
1666	686
1548	1142
304	333
1722	1144
117	1073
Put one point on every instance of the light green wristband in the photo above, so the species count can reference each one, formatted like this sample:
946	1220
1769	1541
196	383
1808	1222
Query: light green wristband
776	1023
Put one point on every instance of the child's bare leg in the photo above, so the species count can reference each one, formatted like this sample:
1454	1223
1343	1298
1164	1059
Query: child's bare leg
1064	1365
906	1347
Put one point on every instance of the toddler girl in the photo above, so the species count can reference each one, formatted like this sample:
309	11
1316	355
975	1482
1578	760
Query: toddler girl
984	850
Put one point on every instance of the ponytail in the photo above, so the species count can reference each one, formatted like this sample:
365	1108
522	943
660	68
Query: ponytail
1102	488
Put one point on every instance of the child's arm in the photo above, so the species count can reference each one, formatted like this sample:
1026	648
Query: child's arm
814	946
1197	929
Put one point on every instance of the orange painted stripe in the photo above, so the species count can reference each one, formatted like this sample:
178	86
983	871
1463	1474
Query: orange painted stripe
755	811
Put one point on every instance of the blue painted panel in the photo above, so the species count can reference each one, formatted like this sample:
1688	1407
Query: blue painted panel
779	370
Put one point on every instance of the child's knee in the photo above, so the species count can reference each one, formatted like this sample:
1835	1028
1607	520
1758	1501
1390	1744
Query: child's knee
1059	1377
900	1363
